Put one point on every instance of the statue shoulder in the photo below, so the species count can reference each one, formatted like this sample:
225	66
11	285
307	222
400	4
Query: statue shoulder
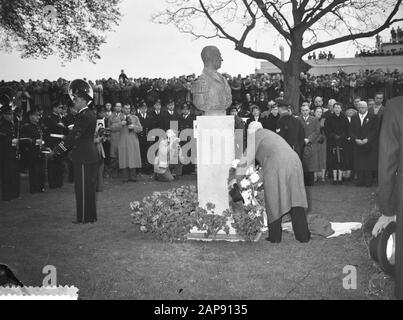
200	85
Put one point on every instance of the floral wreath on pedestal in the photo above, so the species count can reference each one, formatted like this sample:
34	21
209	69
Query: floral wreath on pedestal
172	214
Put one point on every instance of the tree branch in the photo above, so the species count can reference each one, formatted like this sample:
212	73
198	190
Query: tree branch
281	15
356	36
239	44
273	22
250	27
322	13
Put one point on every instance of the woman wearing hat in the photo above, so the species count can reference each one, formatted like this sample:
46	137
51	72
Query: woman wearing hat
337	128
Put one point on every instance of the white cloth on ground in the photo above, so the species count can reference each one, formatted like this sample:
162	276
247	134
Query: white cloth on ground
339	228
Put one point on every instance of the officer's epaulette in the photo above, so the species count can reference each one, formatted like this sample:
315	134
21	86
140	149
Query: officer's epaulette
200	86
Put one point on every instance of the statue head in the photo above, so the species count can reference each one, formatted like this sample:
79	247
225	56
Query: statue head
211	57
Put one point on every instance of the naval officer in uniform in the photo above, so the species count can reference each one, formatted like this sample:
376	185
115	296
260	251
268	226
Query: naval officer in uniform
85	154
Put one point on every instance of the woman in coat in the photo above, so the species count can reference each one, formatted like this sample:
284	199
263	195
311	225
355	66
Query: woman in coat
320	148
129	146
337	129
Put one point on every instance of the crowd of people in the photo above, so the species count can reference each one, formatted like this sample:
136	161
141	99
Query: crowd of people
379	53
396	35
129	109
333	141
258	89
321	56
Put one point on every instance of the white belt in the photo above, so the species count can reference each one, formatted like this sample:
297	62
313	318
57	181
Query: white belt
58	136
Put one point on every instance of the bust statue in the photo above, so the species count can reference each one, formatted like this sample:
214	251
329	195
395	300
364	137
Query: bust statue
211	91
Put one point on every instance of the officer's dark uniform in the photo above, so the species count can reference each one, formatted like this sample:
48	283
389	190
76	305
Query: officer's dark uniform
186	122
85	159
147	124
36	159
68	120
54	134
166	118
9	163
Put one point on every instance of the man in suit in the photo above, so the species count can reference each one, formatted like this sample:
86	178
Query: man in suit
146	122
390	178
108	110
364	133
54	131
116	117
156	114
283	176
240	132
169	118
186	121
255	116
85	153
290	129
107	143
311	127
377	108
270	122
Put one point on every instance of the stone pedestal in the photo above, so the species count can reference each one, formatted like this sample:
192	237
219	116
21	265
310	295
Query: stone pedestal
215	154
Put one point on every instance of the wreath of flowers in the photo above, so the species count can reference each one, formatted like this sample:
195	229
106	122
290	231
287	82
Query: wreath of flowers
249	211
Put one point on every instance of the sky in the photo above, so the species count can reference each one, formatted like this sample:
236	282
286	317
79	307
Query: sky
145	49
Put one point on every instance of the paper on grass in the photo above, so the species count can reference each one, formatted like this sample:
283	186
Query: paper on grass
340	228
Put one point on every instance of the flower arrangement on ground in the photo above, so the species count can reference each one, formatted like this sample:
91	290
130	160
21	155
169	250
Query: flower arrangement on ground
172	214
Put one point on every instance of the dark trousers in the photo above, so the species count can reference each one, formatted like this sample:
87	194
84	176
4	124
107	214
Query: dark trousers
55	173
70	169
399	257
85	183
100	177
309	178
299	225
107	150
146	166
36	171
364	178
10	178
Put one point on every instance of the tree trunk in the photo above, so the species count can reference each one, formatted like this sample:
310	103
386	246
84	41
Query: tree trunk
291	72
291	90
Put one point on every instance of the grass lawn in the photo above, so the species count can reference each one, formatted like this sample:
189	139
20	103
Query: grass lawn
113	260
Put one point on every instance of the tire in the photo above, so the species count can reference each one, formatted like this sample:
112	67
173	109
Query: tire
373	248
387	266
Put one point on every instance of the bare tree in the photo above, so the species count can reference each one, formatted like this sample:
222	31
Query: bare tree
306	26
70	28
